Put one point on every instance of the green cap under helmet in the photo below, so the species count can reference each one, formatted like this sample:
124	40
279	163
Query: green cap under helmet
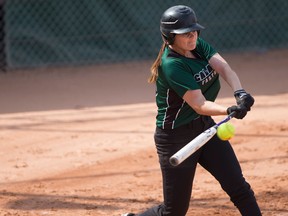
178	20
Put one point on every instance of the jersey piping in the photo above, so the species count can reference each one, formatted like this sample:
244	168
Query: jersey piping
169	116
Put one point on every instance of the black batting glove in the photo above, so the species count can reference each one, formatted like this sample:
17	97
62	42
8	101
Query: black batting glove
243	98
239	111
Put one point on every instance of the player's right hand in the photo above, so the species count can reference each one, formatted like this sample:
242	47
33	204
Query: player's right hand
240	111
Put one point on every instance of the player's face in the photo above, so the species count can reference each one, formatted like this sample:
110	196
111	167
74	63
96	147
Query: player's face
185	42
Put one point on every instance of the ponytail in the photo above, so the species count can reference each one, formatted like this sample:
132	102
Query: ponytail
155	65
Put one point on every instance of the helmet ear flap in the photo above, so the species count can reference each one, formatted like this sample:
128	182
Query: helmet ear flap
169	40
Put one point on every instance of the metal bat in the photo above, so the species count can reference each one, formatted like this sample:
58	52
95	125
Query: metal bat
196	143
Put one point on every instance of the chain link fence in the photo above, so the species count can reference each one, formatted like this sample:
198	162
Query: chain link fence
40	33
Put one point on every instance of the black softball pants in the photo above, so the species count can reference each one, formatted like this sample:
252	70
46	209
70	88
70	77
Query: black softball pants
217	157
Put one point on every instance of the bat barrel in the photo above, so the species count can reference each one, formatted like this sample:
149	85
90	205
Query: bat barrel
192	146
196	143
174	161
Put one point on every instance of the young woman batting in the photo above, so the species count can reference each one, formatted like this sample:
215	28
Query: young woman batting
186	74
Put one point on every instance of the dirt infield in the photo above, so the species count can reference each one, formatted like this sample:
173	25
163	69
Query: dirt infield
79	141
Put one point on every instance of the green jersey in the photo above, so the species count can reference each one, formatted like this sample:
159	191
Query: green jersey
178	74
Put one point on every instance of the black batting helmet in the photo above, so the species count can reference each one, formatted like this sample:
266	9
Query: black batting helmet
178	20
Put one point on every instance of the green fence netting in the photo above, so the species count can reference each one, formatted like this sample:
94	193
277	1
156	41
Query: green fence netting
77	32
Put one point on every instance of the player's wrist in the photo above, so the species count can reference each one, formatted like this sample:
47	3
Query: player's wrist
240	93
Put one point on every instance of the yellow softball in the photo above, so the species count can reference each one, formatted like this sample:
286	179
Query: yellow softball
225	131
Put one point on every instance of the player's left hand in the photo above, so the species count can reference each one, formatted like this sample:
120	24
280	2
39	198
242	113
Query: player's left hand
244	98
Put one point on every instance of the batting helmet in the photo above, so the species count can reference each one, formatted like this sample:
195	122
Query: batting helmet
178	20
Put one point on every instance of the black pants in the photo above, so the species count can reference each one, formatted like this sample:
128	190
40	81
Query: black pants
217	157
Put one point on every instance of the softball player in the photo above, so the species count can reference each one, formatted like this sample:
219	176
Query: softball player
186	73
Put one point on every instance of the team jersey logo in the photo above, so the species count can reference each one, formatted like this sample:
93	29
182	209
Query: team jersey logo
205	75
